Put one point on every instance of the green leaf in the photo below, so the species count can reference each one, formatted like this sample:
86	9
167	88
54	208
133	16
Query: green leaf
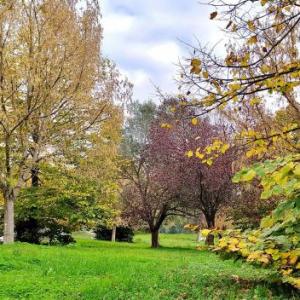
266	194
249	175
297	170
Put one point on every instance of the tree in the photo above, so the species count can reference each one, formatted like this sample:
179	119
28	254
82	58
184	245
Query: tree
204	185
65	202
166	179
137	126
52	79
261	67
259	76
145	199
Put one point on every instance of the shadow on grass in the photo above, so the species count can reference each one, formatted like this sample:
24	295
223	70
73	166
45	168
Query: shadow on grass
94	244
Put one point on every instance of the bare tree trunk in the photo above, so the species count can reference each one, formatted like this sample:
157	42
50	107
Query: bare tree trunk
154	239
113	234
198	236
9	222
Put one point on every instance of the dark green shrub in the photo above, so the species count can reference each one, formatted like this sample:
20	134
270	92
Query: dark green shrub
28	231
123	234
42	231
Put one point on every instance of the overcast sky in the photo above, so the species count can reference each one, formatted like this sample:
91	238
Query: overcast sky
143	38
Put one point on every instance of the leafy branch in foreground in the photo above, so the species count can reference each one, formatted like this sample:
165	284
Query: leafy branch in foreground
279	177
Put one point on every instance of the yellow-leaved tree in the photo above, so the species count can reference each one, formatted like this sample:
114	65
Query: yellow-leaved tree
56	89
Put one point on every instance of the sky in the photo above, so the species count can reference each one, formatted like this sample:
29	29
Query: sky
146	39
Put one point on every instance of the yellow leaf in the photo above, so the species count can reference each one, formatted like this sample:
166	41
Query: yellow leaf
166	125
205	232
265	69
252	40
245	252
198	154
251	153
196	62
297	170
205	75
234	241
189	153
194	121
296	282
233	248
287	272
254	101
208	149
249	175
208	100
242	244
266	222
254	255
251	25
224	148
293	259
279	27
252	239
244	62
222	243
263	2
196	70
234	87
209	162
196	66
264	259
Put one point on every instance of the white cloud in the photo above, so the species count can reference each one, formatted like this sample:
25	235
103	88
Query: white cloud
164	53
115	24
142	37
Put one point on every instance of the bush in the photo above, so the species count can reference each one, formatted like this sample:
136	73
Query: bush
42	231
123	234
276	243
174	225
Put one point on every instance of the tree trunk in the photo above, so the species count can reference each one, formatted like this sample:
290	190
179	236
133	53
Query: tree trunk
199	236
210	239
35	177
9	222
210	221
154	239
113	234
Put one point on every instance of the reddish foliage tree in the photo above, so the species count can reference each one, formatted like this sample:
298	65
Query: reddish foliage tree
162	181
145	199
201	187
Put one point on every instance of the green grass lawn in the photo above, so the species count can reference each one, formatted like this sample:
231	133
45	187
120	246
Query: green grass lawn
102	270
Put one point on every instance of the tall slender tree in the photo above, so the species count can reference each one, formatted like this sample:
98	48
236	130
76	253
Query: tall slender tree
51	88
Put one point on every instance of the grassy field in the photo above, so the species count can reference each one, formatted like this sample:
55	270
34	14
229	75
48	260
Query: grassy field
102	270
